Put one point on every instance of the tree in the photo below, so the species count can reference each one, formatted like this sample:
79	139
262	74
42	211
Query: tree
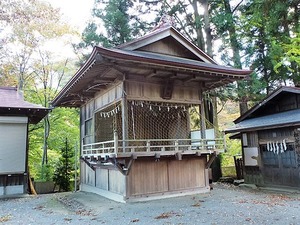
63	170
28	25
119	25
267	27
47	78
26	62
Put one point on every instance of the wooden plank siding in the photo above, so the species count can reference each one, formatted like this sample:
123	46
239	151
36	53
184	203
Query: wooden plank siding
102	178
169	46
152	92
116	181
276	172
186	174
252	174
149	177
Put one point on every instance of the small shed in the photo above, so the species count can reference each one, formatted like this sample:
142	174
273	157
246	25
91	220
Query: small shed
270	136
15	115
135	102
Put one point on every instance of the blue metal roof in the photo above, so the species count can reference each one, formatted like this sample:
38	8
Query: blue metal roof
283	119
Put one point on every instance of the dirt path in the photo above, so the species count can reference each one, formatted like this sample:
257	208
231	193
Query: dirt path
224	205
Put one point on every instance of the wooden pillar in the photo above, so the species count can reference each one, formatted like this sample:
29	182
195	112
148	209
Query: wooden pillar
124	114
202	116
116	142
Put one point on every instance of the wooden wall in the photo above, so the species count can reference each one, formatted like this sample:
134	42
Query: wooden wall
150	177
105	98
281	168
105	178
169	46
87	175
110	179
253	174
152	92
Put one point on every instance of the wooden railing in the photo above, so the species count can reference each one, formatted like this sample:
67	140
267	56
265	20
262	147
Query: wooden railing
166	146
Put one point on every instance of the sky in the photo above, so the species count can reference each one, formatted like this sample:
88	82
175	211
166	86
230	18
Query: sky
75	12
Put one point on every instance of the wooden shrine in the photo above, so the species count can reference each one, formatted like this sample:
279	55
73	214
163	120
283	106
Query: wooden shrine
135	102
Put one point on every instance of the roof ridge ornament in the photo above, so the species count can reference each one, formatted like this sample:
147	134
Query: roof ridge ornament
165	21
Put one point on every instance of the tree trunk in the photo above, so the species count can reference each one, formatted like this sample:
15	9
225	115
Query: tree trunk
198	26
236	52
207	28
45	144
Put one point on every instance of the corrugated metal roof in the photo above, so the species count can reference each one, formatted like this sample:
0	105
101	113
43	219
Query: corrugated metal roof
266	100
282	119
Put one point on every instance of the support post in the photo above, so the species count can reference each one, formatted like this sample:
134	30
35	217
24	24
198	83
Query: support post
75	178
124	114
202	120
176	145
148	146
224	144
116	143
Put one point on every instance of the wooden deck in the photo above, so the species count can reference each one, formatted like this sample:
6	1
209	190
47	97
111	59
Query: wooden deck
152	147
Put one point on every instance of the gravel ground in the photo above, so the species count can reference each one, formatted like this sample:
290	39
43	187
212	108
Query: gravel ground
225	204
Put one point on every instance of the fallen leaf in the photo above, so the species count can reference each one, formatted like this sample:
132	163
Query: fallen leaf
164	215
196	204
5	218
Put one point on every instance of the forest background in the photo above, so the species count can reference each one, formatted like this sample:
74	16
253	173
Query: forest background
261	35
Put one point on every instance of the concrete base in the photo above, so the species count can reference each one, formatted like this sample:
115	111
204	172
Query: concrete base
104	193
142	198
164	195
12	190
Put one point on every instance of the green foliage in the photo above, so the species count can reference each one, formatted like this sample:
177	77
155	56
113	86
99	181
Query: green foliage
64	123
63	169
120	25
27	26
233	148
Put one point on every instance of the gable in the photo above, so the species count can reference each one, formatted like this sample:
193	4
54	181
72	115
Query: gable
283	99
162	40
169	46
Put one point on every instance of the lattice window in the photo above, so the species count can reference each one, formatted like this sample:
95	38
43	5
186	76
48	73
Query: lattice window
144	120
107	121
149	120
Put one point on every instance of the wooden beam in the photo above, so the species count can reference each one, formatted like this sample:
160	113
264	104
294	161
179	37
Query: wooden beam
178	156
100	80
128	167
211	159
173	76
152	74
85	159
190	78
